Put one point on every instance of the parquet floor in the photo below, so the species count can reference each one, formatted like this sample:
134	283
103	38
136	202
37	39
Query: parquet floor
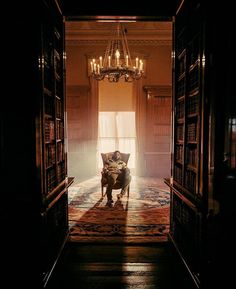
119	267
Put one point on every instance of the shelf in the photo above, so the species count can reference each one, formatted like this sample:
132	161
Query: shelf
178	193
192	168
47	91
194	65
182	54
192	115
181	76
180	120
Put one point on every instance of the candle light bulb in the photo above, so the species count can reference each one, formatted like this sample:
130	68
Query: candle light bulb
117	54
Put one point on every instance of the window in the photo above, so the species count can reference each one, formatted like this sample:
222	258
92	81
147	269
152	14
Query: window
117	132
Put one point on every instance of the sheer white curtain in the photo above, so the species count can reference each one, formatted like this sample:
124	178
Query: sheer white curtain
117	132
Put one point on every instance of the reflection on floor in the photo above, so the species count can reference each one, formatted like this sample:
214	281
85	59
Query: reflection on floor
120	267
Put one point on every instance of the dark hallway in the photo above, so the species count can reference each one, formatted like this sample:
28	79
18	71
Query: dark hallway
34	149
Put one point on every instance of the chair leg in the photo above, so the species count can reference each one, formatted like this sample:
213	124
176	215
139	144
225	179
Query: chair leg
102	190
128	192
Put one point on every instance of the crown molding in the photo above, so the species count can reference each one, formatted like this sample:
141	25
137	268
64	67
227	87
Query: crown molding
158	90
137	32
147	42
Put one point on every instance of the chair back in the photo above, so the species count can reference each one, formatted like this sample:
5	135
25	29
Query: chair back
106	156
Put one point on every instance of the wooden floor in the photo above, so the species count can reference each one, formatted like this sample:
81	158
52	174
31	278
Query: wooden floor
119	267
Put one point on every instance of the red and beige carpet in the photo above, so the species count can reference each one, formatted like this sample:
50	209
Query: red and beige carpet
141	218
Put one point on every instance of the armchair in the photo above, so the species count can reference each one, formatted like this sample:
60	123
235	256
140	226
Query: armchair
118	184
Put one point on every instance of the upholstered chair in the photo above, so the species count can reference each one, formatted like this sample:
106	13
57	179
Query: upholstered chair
118	184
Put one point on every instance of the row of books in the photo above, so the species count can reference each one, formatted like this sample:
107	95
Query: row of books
49	130
61	174
190	181
50	153
59	109
49	105
191	156
55	175
178	174
60	152
59	129
192	132
180	132
52	107
192	107
51	180
179	153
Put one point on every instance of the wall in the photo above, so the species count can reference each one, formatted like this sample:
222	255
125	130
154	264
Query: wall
157	152
81	157
116	96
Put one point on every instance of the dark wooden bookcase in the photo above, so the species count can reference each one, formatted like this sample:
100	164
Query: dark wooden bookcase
187	110
53	105
51	140
34	206
203	151
188	114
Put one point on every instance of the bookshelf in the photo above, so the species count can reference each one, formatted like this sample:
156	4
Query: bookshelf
33	146
203	175
187	119
51	139
187	201
52	64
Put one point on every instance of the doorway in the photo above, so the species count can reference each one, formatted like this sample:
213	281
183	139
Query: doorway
152	40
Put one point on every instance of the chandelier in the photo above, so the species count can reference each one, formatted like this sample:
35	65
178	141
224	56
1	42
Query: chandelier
117	62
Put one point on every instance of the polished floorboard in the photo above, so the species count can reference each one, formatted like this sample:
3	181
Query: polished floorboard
96	266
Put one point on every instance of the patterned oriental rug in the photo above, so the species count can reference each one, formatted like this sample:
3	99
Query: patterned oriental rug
141	218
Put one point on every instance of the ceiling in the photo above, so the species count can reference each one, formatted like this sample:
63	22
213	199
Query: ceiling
145	30
146	10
